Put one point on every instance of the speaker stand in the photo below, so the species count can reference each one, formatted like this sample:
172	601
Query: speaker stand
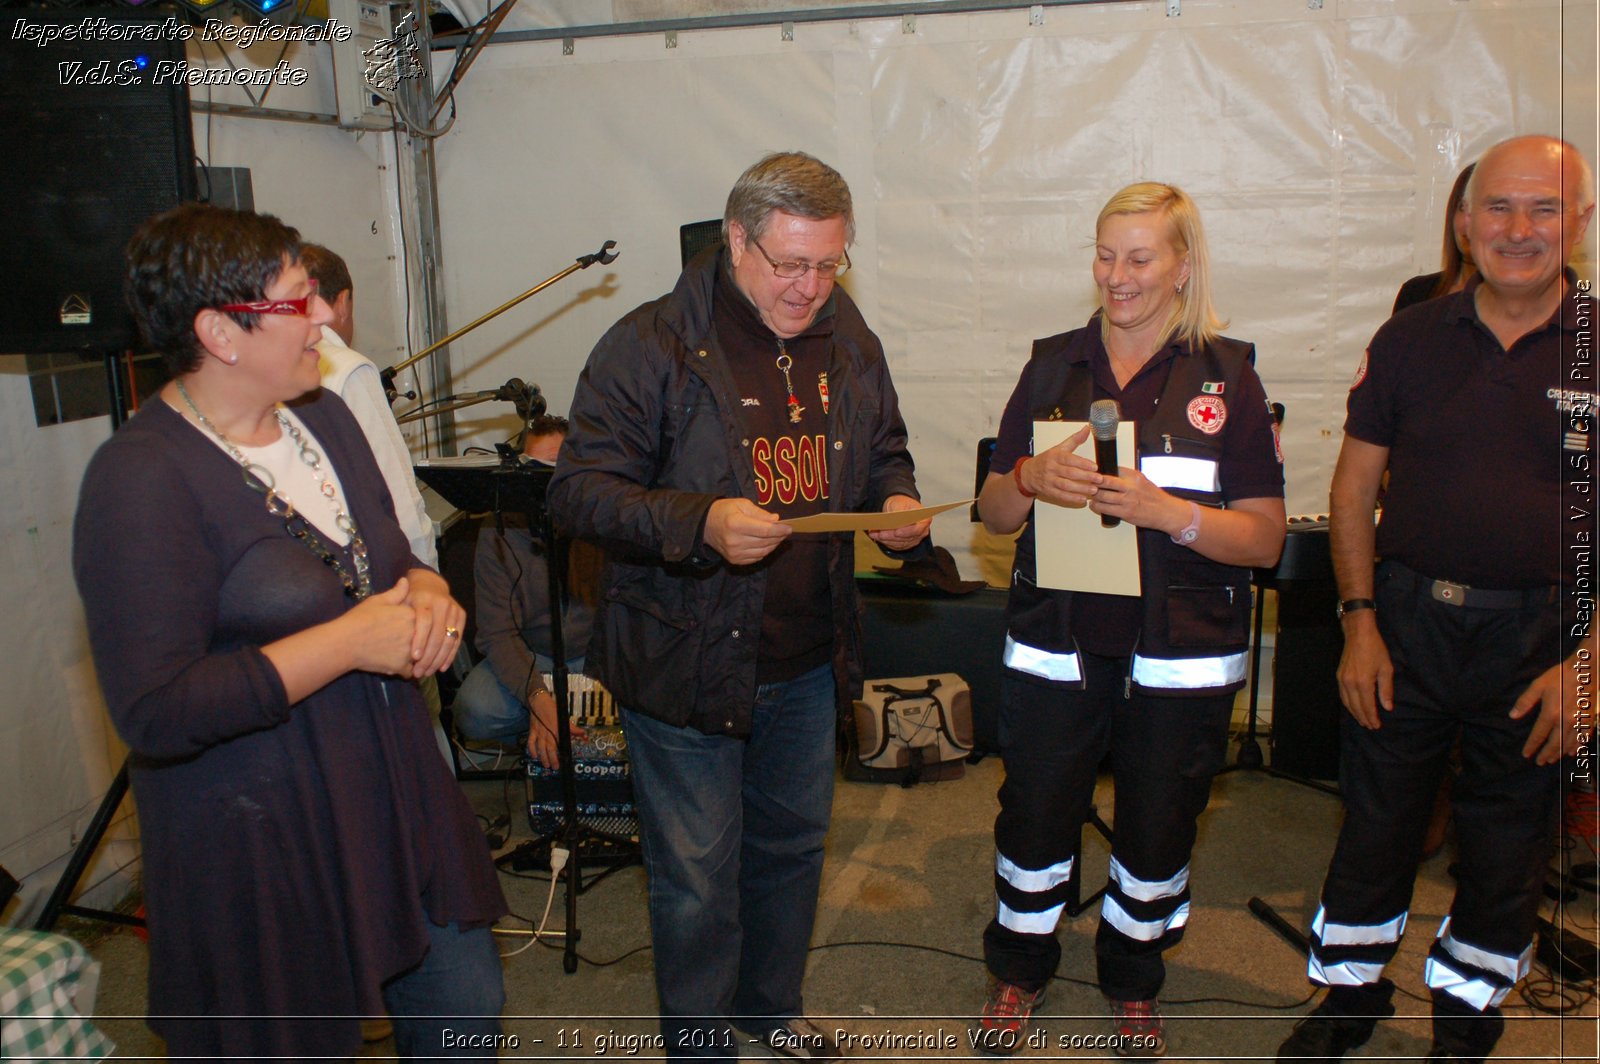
1076	907
1249	758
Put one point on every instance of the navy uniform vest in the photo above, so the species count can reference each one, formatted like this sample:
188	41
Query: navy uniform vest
1194	628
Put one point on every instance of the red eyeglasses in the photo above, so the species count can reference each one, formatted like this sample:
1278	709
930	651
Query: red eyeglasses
297	307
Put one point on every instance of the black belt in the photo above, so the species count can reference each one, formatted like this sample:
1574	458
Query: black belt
1453	594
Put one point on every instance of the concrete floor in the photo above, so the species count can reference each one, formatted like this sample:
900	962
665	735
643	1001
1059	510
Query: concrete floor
906	893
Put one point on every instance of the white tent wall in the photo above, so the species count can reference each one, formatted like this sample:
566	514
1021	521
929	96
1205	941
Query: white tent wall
1319	143
58	752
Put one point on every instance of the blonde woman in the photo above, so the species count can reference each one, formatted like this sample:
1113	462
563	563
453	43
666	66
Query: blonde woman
1148	680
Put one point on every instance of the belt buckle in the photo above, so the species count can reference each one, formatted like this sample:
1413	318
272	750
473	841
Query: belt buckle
1448	593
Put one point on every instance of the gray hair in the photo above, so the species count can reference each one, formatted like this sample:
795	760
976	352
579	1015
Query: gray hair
1585	172
794	183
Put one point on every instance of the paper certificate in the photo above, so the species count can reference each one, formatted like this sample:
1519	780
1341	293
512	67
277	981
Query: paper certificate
871	522
1074	551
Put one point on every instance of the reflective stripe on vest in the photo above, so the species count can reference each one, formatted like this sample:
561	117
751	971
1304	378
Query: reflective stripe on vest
1170	471
1189	673
1044	663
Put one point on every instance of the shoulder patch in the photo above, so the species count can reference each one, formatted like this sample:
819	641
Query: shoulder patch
1361	373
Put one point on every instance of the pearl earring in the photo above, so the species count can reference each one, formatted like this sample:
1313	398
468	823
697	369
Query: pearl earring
233	360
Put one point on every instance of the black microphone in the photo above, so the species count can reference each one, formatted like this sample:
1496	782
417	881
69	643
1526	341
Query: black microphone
512	391
529	403
1103	417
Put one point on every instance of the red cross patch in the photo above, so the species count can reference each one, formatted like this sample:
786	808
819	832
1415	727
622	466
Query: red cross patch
1207	413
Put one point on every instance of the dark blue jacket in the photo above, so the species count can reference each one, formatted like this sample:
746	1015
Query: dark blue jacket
657	435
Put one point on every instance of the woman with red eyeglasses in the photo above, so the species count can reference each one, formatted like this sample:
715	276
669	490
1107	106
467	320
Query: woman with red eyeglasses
257	620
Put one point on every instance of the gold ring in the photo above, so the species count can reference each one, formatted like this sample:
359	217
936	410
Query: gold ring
451	632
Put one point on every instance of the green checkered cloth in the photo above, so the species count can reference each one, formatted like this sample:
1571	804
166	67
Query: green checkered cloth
40	978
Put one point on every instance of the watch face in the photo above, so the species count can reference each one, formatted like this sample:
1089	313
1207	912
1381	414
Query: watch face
1189	535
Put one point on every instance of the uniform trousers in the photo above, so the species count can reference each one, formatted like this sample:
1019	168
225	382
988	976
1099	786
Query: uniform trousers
1458	669
1164	751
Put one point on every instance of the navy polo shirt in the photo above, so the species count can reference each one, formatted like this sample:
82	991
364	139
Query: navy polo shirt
1484	443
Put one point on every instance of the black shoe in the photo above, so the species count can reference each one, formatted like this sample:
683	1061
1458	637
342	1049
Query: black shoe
1439	1052
1329	1033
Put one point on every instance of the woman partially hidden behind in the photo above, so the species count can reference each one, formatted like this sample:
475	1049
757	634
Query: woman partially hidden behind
257	619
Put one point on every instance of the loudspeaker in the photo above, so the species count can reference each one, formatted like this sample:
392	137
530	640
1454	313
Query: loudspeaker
99	141
1305	689
695	237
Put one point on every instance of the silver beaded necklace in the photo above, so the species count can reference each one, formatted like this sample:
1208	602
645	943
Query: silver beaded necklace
259	477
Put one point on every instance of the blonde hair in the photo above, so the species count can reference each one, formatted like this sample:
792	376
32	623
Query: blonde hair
1192	318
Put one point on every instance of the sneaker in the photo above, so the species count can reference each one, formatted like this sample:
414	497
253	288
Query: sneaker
802	1039
1328	1034
1007	1012
1138	1030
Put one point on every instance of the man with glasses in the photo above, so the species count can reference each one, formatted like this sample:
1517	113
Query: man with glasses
753	393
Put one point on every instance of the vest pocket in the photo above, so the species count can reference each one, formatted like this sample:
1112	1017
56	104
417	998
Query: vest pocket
1205	617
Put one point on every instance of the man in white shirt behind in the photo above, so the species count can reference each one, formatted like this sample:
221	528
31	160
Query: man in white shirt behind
355	379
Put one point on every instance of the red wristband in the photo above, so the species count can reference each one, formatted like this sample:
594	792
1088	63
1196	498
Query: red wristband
1016	475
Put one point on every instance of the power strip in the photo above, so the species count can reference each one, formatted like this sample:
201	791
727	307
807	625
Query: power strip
1562	951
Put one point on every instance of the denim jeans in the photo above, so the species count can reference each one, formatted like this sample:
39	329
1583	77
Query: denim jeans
487	711
448	1007
732	833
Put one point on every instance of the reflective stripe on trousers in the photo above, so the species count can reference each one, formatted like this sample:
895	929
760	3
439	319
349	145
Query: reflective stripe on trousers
1351	954
1158	895
1031	881
1480	978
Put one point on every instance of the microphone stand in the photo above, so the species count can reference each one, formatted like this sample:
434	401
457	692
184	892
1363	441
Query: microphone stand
514	487
604	256
534	404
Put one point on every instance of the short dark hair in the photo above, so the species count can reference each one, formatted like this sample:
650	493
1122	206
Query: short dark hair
196	256
327	269
543	425
547	425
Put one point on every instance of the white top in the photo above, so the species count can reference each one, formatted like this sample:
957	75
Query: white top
355	379
297	481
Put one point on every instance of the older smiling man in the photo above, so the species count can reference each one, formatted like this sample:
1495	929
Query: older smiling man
1462	628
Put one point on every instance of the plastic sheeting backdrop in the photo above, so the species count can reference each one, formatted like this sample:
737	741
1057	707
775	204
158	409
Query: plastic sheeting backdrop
1320	145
